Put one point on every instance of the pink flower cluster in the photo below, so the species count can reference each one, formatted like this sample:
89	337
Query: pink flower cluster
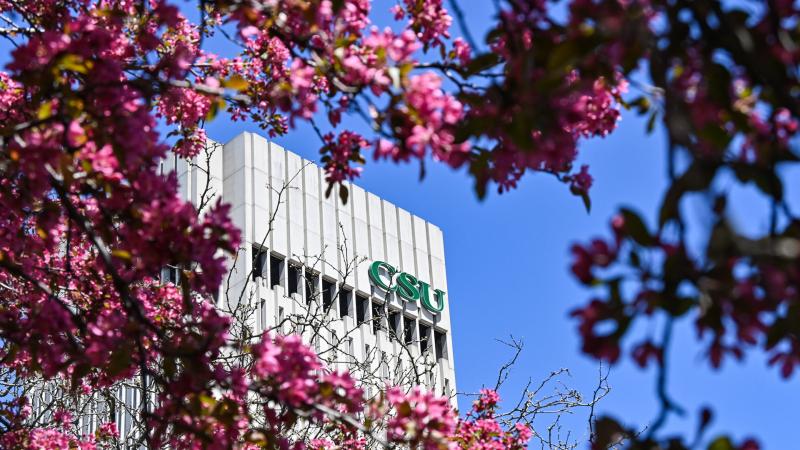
420	418
341	152
742	310
429	19
481	429
427	121
53	439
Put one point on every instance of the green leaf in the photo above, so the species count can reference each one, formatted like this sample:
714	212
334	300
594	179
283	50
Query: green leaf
337	5
635	227
120	361
468	128
207	402
651	122
587	201
170	368
715	135
216	107
563	55
718	81
236	82
78	374
641	103
74	63
121	254
481	63
721	443
45	111
343	193
776	333
480	189
607	431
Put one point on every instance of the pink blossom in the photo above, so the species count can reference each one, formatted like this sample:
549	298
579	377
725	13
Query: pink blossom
462	50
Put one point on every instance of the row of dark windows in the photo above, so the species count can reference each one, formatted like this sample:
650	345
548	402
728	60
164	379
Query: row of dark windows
271	266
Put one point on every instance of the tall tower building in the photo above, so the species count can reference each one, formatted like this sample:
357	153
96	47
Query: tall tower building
363	281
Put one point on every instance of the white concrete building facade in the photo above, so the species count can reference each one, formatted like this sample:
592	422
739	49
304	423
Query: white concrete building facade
303	250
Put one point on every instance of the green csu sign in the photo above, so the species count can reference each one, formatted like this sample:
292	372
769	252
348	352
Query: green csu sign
406	285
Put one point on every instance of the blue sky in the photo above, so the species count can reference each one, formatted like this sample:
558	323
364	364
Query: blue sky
507	265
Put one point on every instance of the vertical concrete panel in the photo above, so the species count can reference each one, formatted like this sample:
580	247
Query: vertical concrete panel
421	249
348	259
181	169
391	243
202	181
260	154
294	168
377	242
438	274
312	212
237	179
330	226
407	256
260	192
233	158
436	241
423	260
214	167
278	196
392	239
361	236
234	188
375	217
407	263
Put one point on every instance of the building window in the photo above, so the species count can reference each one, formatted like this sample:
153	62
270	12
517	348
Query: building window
280	319
263	316
275	270
446	387
384	366
351	350
377	316
311	286
328	288
334	346
293	282
169	274
344	302
424	338
394	323
440	340
259	262
361	309
408	330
